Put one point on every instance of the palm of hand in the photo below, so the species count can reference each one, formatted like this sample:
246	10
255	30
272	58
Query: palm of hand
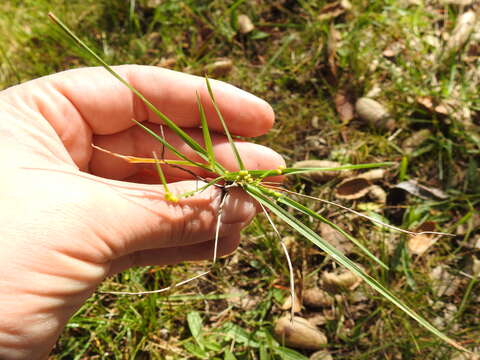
71	216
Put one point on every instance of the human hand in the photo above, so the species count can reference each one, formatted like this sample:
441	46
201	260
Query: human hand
72	215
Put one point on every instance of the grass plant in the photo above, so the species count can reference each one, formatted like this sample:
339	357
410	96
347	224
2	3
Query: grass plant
251	182
305	55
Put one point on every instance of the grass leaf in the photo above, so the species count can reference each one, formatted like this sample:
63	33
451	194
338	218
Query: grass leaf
179	131
261	194
169	146
291	171
225	128
295	171
208	139
341	259
195	324
299	207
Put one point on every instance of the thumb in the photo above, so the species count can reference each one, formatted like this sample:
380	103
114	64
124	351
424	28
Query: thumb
137	219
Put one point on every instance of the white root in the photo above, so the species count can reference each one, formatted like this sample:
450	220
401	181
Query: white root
217	229
289	262
156	291
372	219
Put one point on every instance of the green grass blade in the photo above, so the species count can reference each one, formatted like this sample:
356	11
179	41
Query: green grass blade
200	189
169	146
291	171
168	194
182	134
294	171
299	207
343	260
208	139
160	173
225	127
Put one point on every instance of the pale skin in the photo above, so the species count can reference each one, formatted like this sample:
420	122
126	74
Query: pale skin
71	215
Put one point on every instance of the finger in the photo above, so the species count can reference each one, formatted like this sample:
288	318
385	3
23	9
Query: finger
137	217
175	255
108	106
135	142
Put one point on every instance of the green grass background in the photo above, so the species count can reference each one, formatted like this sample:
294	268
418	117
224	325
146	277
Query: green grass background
300	56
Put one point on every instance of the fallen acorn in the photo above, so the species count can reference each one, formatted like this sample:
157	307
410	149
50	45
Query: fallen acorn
372	112
316	298
321	355
299	333
335	283
322	176
244	23
220	67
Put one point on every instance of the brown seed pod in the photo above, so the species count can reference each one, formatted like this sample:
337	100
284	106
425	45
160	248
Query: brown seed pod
372	112
316	298
353	188
322	176
299	333
245	25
